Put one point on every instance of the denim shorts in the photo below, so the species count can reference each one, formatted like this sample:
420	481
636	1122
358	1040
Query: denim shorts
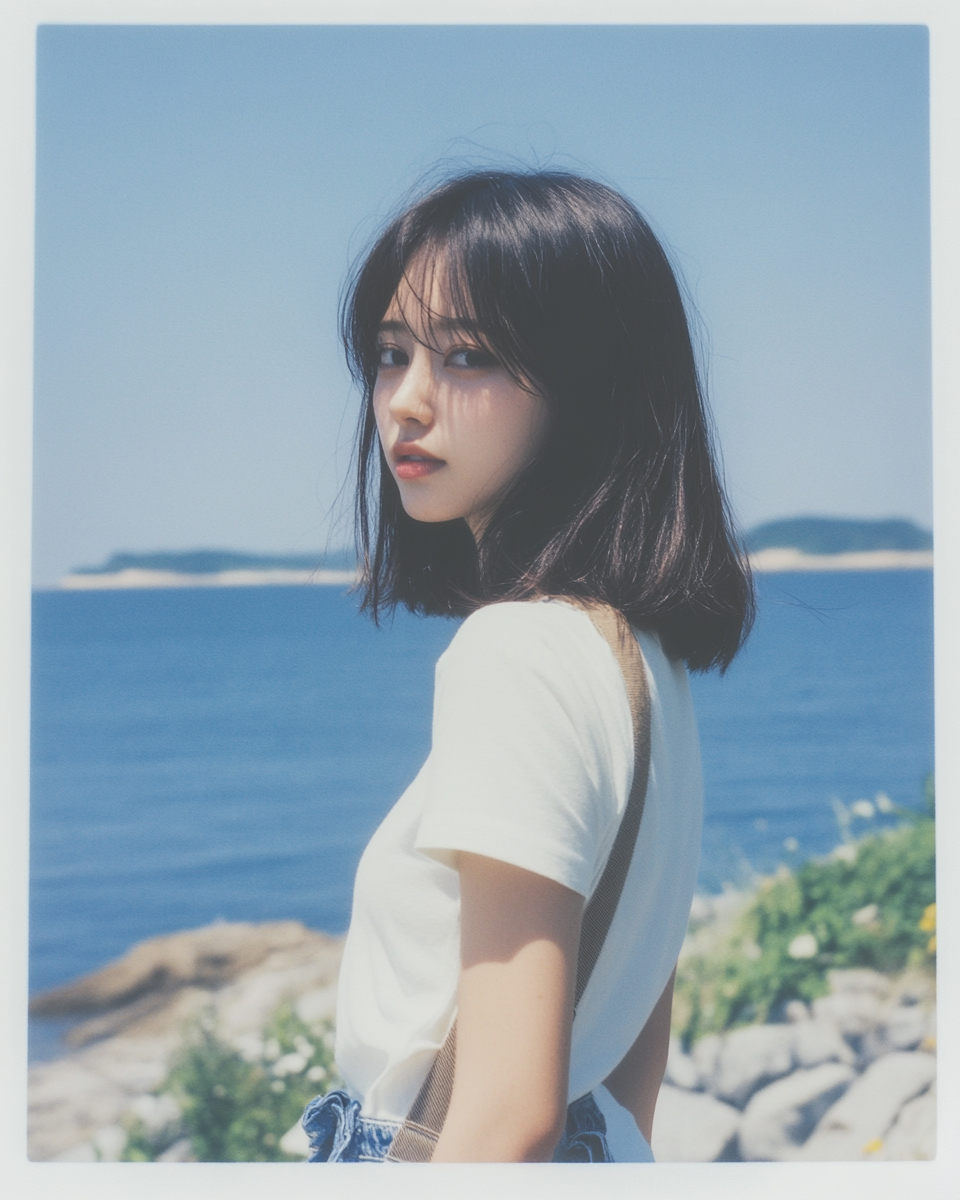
338	1133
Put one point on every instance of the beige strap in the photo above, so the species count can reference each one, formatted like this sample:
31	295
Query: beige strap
418	1134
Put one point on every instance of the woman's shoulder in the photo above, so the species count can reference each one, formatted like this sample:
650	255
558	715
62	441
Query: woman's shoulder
554	645
526	629
535	647
554	623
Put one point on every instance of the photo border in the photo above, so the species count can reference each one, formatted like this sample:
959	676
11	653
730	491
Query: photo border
738	1181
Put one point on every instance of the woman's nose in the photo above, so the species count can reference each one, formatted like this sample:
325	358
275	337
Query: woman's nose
413	399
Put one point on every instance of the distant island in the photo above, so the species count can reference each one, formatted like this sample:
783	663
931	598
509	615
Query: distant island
838	544
835	535
791	544
212	562
213	568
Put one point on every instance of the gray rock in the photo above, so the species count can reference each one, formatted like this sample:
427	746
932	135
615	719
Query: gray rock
819	1041
860	981
705	1054
901	1027
180	1151
853	1012
907	1020
915	988
681	1069
853	1127
749	1059
796	1010
913	1134
906	1027
109	1143
70	1099
693	1127
84	1152
780	1117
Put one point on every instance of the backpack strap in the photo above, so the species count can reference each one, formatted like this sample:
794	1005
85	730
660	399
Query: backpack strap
417	1136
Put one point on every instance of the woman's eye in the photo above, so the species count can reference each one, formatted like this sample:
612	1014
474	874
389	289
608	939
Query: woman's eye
471	358
392	356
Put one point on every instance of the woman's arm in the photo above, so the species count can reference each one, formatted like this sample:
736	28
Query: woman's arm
635	1081
519	938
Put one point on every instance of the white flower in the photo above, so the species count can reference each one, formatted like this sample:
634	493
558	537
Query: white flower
846	852
804	945
752	951
271	1049
278	1086
317	1074
883	802
250	1046
863	808
290	1064
303	1046
791	845
866	915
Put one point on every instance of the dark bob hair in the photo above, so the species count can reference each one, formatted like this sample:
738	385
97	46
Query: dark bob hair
562	280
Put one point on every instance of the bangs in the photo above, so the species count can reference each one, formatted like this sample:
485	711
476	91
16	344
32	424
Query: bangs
445	274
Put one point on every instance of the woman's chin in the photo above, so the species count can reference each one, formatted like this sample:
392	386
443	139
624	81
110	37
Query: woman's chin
428	514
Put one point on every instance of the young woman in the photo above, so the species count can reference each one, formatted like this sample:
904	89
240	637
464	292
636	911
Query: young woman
533	437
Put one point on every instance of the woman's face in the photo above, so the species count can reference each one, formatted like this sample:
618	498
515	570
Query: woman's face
456	428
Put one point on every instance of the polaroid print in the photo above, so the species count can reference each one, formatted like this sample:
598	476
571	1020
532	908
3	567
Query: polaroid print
217	731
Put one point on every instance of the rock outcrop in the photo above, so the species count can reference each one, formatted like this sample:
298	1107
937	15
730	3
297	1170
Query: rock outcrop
694	1127
781	1117
160	966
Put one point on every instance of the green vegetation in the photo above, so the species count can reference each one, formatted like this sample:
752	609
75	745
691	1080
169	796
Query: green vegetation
237	1103
831	535
870	904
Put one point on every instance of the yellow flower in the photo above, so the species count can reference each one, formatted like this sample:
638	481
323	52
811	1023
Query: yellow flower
932	945
928	922
873	1146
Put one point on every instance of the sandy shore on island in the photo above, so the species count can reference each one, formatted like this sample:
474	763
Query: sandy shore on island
136	577
786	558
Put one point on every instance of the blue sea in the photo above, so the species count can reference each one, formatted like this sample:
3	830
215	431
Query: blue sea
222	752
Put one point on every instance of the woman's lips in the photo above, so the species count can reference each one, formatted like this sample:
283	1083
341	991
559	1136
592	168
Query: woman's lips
416	466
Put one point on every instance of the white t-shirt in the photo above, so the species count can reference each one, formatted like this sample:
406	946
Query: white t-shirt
531	763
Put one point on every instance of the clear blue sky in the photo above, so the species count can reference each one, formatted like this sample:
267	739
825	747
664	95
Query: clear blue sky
202	191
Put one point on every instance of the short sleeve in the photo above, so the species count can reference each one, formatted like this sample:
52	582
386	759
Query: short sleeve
532	754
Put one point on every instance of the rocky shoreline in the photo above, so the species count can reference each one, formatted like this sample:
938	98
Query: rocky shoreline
136	1011
850	1077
